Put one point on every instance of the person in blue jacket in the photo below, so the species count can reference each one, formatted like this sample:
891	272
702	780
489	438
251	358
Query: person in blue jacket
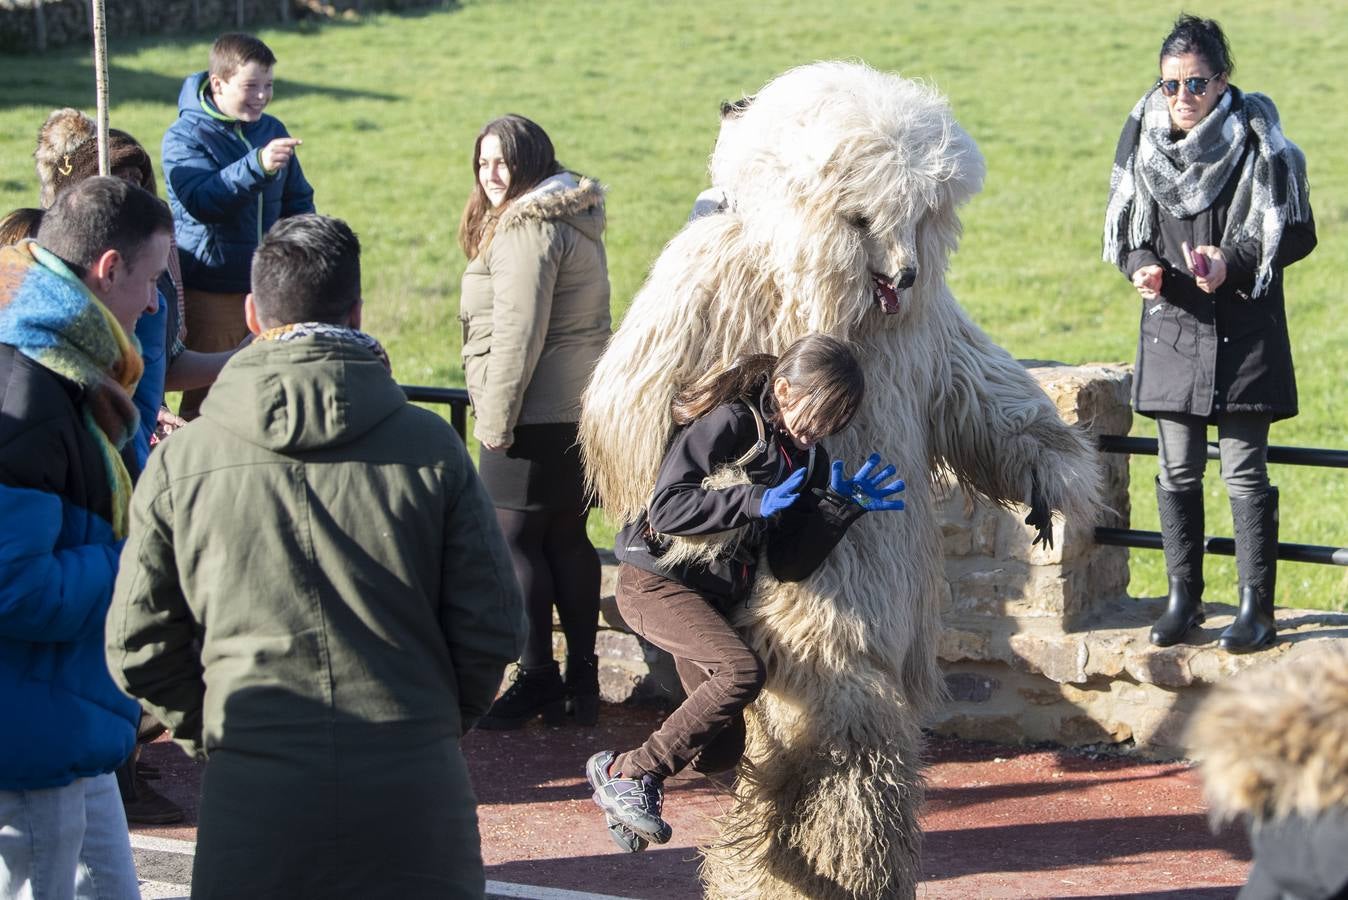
68	368
232	172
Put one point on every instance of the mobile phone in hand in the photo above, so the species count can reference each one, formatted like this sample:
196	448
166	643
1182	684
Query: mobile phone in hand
1199	264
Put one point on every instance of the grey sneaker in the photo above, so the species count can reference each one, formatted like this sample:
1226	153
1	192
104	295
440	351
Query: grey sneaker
628	841
629	801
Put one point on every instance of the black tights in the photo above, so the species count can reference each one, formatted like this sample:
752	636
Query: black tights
555	564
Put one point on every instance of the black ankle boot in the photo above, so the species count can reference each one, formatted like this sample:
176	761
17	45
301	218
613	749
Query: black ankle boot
1182	538
535	691
582	688
1256	522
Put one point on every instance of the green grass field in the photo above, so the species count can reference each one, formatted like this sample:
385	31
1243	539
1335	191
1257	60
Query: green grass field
628	89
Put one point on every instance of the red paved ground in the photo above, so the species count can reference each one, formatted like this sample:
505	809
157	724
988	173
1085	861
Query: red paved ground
1001	822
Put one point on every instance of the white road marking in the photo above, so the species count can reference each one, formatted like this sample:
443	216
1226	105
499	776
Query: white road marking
163	845
530	892
154	890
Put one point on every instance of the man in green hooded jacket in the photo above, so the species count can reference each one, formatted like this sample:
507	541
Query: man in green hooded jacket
315	597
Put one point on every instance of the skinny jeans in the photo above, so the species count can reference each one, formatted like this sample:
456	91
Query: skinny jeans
1242	440
720	674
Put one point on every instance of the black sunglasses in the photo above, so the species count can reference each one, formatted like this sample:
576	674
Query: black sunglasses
1196	86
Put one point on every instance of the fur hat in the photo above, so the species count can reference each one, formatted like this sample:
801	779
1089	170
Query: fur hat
67	153
1273	741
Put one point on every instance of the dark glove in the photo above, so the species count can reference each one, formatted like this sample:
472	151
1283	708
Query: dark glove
783	495
867	490
1041	516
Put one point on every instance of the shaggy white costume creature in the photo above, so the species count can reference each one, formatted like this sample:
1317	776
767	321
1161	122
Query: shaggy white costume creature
843	185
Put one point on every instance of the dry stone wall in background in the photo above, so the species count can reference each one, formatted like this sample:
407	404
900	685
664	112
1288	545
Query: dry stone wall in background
32	26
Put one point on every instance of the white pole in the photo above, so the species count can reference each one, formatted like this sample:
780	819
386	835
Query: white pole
101	82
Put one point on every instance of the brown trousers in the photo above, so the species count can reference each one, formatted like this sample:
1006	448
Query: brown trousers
214	322
720	674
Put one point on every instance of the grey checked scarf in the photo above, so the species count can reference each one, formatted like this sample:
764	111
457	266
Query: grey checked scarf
299	330
1152	168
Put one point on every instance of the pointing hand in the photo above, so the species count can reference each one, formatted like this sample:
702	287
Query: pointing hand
275	156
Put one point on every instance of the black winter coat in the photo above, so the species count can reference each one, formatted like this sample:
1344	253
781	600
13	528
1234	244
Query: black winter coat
1299	858
796	539
43	442
1207	354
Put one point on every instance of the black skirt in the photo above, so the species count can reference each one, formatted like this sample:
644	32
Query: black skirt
540	471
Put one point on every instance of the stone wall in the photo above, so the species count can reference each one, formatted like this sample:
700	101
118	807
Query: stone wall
35	25
1048	646
1040	645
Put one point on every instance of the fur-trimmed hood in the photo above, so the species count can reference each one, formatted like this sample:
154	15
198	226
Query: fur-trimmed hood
1273	741
535	308
565	196
67	153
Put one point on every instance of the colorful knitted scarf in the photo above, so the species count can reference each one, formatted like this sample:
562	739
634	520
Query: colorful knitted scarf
1153	168
49	316
299	330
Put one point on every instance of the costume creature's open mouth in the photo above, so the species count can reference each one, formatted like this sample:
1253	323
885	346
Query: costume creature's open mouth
885	292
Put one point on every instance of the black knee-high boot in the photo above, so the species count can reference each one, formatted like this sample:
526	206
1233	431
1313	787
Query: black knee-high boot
1182	537
1256	521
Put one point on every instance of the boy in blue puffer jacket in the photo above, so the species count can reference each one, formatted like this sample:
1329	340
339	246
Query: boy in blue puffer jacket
231	172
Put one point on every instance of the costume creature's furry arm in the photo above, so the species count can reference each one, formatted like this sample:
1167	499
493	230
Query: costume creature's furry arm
997	431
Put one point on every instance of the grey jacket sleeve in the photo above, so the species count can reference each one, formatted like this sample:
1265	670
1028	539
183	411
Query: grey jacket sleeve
150	633
481	609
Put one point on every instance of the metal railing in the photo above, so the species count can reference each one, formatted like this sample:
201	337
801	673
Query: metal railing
1295	456
457	399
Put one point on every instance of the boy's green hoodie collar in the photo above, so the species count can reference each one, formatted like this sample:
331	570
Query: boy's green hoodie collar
207	104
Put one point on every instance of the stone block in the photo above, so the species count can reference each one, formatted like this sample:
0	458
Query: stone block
967	687
1041	696
958	644
969	526
1106	579
611	643
1095	395
1077	730
999	729
1061	659
983	587
956	539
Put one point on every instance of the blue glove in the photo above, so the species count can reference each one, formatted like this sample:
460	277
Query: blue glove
783	495
867	490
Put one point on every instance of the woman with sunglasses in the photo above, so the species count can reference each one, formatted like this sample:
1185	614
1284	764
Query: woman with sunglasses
1208	204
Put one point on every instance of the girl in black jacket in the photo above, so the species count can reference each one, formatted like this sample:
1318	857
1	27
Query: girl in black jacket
1208	204
744	476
